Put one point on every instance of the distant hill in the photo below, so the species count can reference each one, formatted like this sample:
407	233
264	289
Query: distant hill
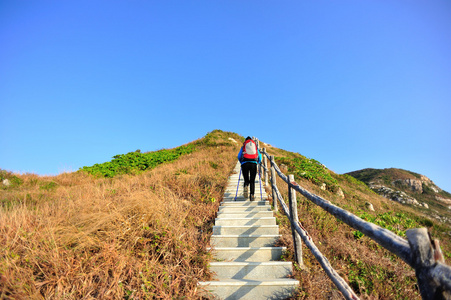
408	188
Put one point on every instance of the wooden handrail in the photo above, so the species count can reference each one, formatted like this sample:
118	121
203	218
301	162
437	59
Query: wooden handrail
434	277
339	282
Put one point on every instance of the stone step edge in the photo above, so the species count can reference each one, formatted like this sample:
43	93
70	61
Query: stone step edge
251	263
245	226
258	282
247	212
240	215
241	199
259	202
244	248
244	209
245	235
222	207
225	219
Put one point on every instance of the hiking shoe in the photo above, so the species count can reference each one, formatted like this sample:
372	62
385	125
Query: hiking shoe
252	198
245	193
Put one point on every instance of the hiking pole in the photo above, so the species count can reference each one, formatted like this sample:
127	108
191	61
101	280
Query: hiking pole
238	185
259	176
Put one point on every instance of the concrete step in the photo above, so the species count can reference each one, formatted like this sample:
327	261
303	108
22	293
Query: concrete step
233	188
235	176
244	203
246	230
234	185
256	254
245	221
252	270
258	214
258	196
241	194
244	209
240	198
244	289
244	240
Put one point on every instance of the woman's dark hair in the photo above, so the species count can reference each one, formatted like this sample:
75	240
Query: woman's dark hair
248	138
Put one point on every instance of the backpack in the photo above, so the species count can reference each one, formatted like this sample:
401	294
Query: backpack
250	152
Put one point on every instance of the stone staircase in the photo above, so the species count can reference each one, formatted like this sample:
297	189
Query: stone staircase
247	265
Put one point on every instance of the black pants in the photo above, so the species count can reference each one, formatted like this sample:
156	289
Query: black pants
249	172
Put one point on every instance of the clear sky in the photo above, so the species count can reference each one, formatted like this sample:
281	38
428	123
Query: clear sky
354	84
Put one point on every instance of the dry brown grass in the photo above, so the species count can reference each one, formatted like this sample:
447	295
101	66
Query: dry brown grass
373	272
145	236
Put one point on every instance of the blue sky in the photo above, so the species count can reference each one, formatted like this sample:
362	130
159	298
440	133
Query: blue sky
353	84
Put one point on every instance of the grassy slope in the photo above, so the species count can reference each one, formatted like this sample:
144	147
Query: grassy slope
145	235
372	272
132	236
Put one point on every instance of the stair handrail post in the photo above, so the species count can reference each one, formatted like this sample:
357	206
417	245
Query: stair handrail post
265	164
294	219
427	256
273	184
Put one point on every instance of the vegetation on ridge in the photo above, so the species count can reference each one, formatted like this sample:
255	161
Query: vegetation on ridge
311	170
135	162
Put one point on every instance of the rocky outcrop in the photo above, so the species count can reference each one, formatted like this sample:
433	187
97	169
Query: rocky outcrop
446	201
443	219
397	196
416	185
430	184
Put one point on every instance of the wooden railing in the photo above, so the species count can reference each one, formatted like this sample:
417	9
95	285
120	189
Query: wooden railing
418	251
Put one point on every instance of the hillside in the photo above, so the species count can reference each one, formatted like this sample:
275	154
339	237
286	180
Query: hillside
133	228
372	272
408	188
137	227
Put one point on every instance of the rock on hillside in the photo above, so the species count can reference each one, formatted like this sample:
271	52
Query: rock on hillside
408	188
397	196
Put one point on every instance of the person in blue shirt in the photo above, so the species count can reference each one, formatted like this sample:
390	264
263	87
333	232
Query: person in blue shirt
249	157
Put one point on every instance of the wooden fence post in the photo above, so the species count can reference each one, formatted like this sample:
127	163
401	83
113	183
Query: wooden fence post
295	219
273	184
424	259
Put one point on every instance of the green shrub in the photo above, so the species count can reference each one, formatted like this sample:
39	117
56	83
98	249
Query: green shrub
13	180
213	165
49	186
135	162
398	222
311	170
353	180
219	138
